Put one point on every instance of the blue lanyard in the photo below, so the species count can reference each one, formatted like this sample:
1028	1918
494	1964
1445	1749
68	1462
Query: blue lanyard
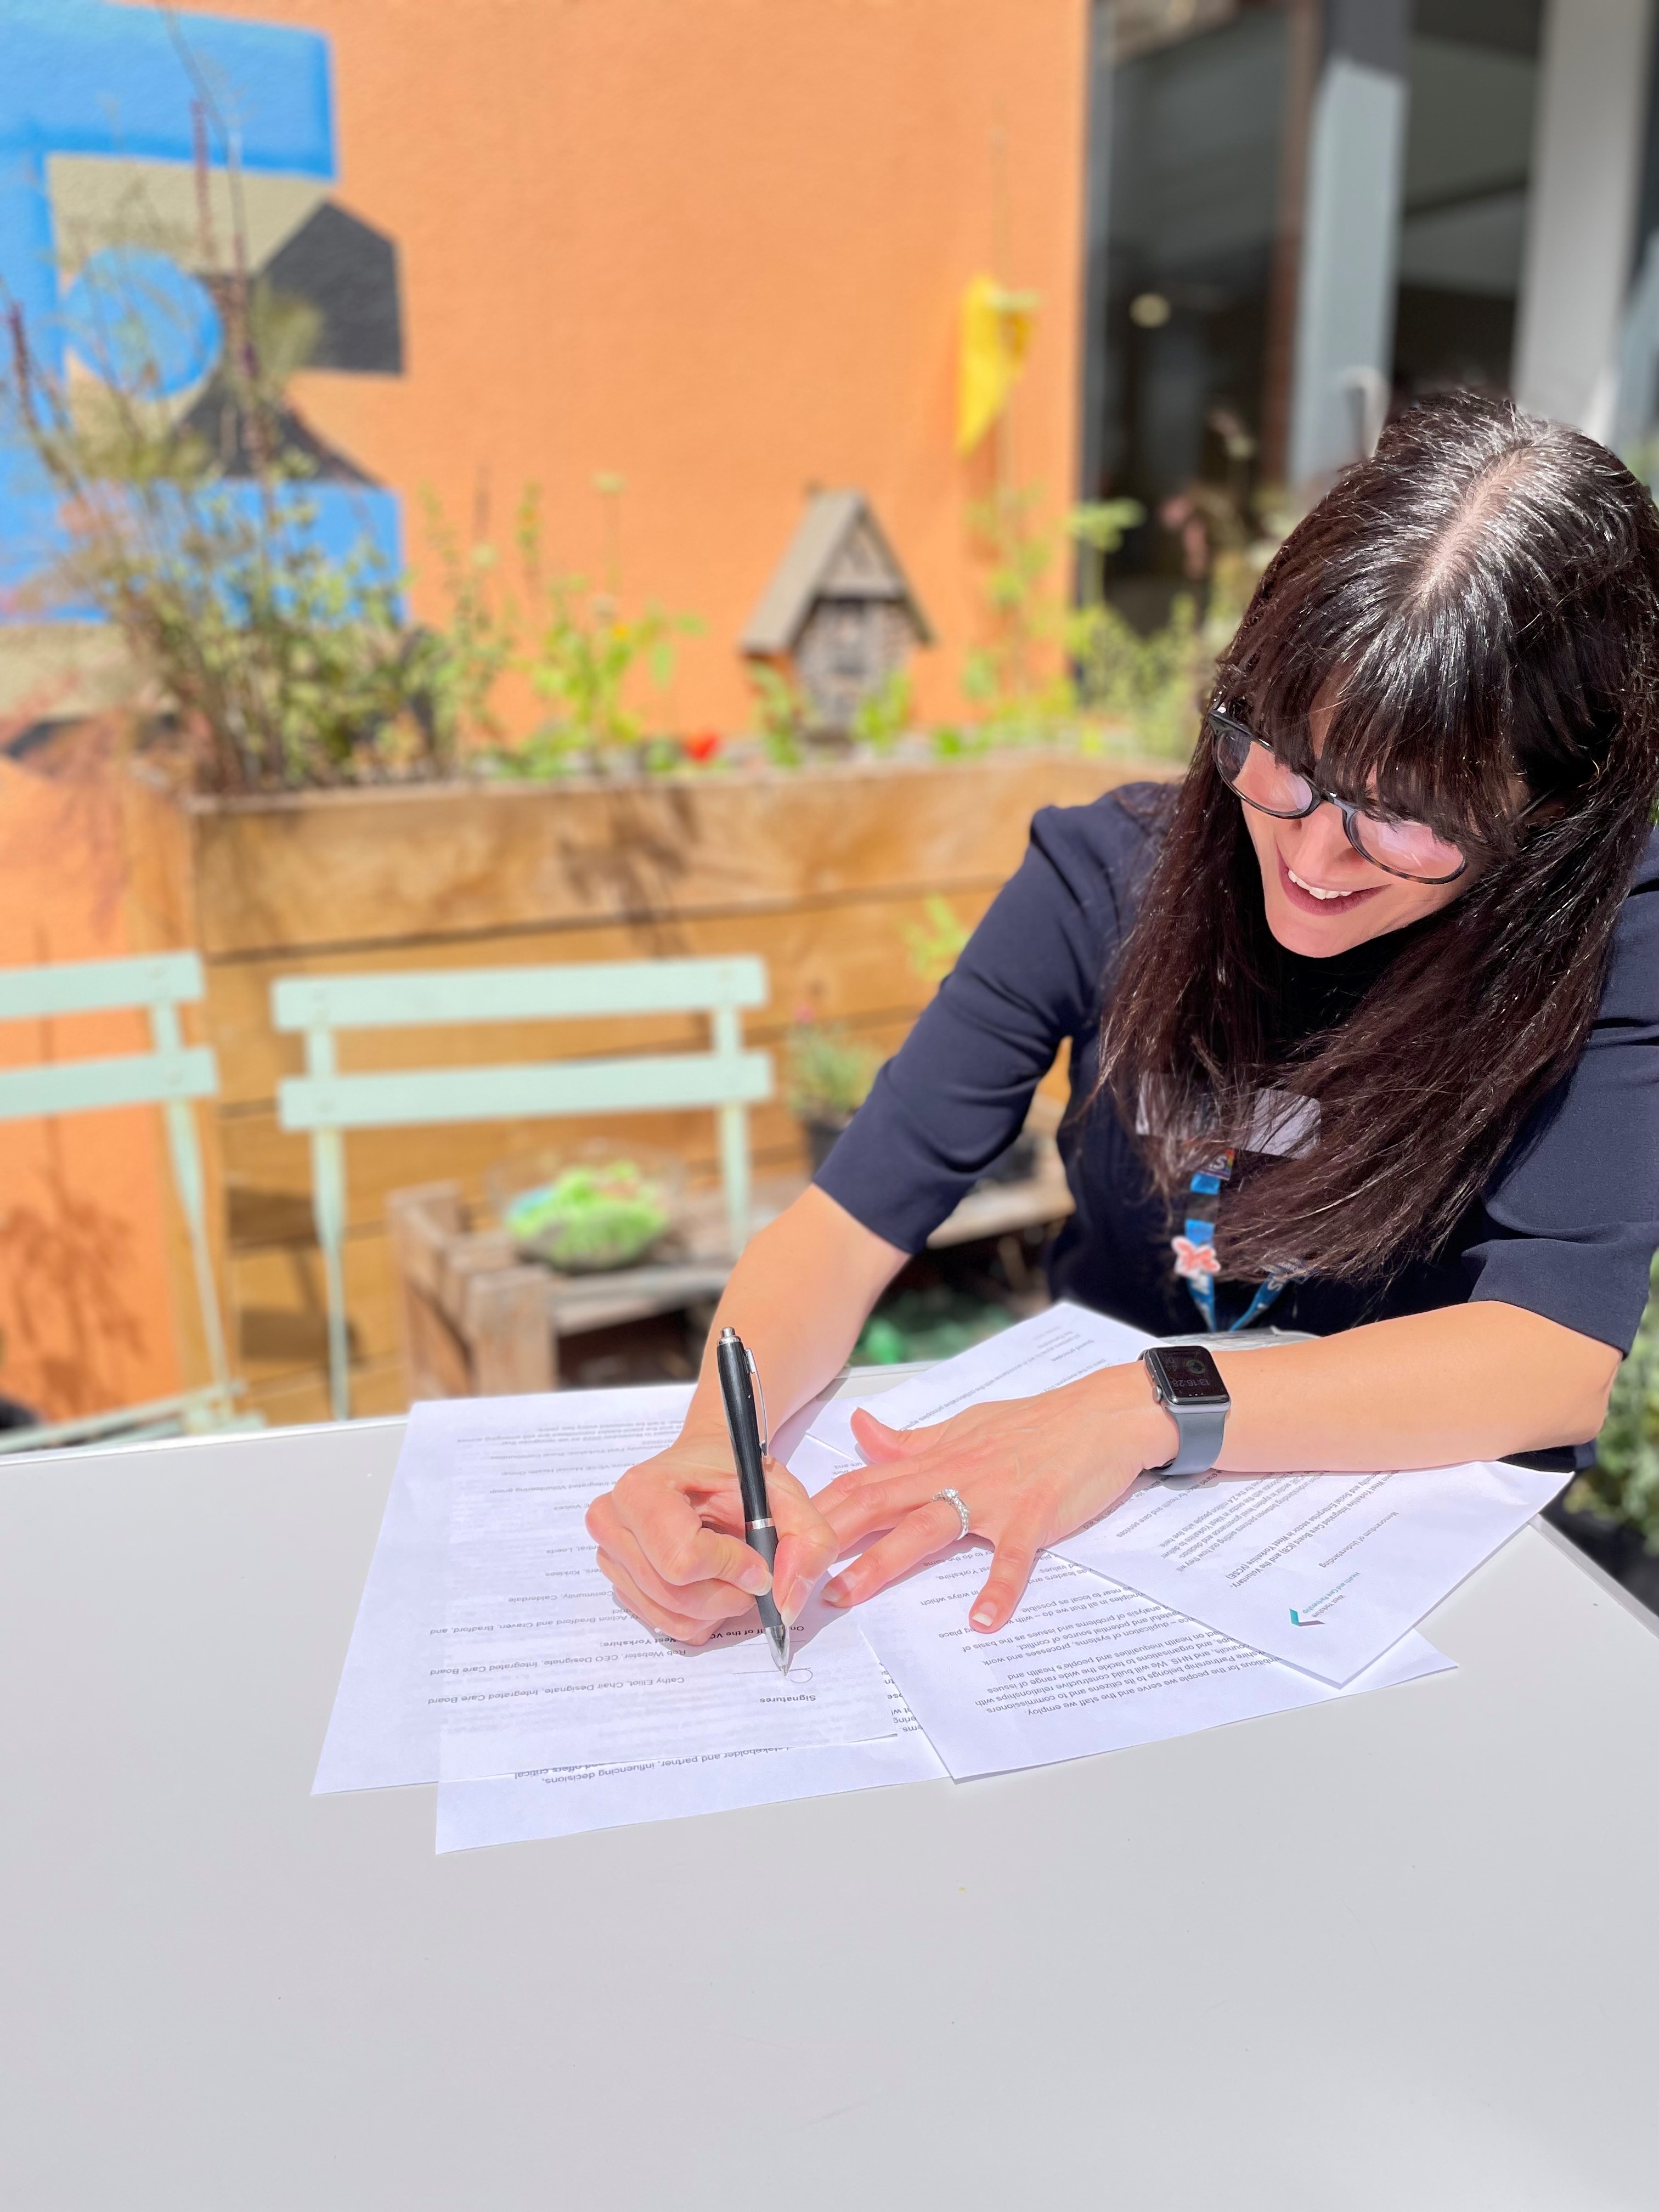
1196	1255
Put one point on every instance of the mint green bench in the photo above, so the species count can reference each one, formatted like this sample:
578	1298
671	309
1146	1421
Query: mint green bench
324	1103
171	1075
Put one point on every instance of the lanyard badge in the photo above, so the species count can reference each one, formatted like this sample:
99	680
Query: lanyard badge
1195	1261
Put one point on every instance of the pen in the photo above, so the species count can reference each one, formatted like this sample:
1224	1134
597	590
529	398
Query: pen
737	1384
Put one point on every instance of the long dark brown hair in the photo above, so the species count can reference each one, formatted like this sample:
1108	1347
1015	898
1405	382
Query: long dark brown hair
1477	600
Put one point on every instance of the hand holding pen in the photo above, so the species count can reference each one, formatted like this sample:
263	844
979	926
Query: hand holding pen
739	1385
670	1536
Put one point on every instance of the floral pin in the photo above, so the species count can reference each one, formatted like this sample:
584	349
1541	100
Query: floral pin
1192	1261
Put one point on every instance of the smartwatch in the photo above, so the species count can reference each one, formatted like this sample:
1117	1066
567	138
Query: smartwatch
1187	1384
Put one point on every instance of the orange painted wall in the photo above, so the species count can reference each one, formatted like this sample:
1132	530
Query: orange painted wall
85	1303
717	247
714	245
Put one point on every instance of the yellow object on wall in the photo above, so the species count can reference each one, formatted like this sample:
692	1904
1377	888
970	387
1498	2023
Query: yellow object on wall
996	333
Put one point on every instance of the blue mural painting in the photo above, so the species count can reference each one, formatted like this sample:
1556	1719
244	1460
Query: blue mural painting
98	101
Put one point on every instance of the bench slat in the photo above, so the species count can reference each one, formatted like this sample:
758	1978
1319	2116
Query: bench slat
98	986
523	1093
139	1079
516	994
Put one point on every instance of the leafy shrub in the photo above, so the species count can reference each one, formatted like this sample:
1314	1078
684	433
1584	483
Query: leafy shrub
584	661
272	663
1623	1485
781	714
827	1075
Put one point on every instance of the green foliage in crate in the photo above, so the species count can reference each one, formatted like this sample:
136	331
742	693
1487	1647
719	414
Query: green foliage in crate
932	1324
1623	1485
827	1073
590	1218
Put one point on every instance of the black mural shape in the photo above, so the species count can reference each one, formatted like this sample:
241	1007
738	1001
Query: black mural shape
217	420
348	270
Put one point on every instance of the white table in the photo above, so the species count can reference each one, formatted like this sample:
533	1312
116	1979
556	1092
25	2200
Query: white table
1396	1952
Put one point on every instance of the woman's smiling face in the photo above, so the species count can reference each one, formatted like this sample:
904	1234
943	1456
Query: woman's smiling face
1321	896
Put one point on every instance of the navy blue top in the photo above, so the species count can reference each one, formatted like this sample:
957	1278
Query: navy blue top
1566	1227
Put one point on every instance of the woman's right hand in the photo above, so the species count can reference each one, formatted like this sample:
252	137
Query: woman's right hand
671	1544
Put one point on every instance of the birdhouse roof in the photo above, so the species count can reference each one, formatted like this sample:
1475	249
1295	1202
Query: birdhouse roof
838	552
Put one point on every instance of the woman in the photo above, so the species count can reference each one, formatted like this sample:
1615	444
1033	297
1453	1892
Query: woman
1364	1027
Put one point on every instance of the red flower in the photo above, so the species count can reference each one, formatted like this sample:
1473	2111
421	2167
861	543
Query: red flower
702	745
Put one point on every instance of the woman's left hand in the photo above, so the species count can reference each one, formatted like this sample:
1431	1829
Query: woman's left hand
1028	1470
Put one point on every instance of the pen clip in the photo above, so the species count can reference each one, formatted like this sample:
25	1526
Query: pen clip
765	1422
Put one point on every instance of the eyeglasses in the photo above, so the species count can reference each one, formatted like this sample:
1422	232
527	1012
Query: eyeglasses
1250	768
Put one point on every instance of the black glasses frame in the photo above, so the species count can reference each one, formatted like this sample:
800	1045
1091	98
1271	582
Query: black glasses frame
1220	721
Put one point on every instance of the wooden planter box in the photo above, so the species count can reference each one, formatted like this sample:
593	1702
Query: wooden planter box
820	870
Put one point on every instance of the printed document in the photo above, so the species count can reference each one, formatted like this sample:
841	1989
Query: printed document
483	1602
1058	1345
566	1800
1324	1571
490	1655
1083	1667
539	1666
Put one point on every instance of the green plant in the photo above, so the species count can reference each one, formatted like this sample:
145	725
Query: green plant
781	713
482	633
266	661
584	660
949	742
1150	683
1100	527
277	663
1156	684
934	951
827	1075
882	718
935	1323
1623	1483
1010	676
591	1217
1047	667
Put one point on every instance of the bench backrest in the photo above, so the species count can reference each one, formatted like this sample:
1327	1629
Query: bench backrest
320	1007
157	984
169	1075
324	1103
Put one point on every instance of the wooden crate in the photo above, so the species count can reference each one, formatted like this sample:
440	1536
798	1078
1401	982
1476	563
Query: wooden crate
820	870
477	1322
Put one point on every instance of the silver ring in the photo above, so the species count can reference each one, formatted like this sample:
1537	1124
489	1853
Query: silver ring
953	1497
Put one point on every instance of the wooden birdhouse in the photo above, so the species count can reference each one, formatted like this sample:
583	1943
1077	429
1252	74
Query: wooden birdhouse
838	607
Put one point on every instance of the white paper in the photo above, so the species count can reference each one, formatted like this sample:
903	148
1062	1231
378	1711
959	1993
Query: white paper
397	1688
568	1800
1058	1345
1084	1667
383	1731
541	1667
1324	1571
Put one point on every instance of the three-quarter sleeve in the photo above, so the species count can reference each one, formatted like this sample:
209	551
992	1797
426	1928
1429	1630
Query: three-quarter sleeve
1572	1222
1029	979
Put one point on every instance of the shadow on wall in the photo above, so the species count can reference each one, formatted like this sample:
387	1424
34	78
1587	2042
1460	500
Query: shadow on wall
66	1263
85	1299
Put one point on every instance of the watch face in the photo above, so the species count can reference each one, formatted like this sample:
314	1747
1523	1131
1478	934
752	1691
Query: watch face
1189	1373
